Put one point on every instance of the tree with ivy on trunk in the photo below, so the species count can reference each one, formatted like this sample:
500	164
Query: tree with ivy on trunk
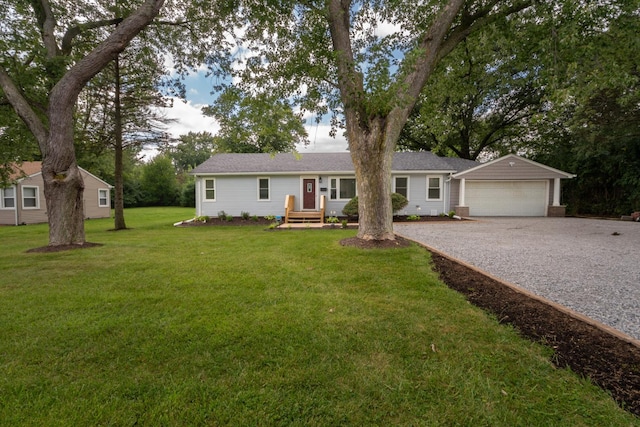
367	63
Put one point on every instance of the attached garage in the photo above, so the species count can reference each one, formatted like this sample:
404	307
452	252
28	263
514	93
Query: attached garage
507	198
509	186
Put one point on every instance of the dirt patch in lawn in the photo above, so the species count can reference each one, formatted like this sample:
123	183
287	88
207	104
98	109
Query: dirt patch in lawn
399	242
608	360
61	248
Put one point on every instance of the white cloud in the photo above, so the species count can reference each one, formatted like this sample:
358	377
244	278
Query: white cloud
386	28
320	141
188	117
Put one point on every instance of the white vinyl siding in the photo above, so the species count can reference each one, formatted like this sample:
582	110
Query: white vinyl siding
342	188
506	198
434	188
8	198
263	189
30	199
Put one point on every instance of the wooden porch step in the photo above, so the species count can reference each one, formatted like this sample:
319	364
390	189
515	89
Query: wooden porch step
302	216
305	216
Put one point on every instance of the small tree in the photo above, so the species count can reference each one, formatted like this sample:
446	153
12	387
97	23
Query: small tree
159	183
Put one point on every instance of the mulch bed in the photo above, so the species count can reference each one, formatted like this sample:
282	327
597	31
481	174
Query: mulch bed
235	221
609	361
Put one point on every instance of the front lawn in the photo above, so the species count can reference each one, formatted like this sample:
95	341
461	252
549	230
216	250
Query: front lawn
241	326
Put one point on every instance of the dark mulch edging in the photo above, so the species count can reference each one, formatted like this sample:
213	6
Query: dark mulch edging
608	360
235	221
61	248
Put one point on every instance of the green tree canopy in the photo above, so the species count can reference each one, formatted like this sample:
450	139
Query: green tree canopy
482	97
159	184
591	122
190	150
259	123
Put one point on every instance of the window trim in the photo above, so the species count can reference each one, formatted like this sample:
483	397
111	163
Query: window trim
407	187
205	189
37	197
268	179
107	204
440	189
3	197
337	188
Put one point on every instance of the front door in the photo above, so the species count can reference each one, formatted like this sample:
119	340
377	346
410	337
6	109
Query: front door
309	193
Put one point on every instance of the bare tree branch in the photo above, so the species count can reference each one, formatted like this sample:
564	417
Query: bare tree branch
46	24
72	32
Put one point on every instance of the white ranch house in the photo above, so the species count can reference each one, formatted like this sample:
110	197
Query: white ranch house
260	183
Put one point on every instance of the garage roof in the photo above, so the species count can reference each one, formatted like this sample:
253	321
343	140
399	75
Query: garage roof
512	167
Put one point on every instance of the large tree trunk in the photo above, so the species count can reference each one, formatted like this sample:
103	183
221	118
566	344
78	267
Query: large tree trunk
64	191
372	155
63	184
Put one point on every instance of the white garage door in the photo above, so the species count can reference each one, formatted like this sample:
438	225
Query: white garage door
506	198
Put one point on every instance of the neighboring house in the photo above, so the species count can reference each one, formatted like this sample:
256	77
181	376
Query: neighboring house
259	183
24	202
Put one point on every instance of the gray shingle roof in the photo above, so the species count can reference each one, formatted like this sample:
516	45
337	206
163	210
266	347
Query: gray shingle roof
238	163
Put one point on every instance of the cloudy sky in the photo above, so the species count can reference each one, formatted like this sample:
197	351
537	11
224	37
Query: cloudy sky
188	117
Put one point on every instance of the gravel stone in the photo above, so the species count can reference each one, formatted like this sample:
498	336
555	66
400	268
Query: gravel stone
589	265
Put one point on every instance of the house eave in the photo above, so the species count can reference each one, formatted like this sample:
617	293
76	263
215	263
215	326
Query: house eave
540	165
331	172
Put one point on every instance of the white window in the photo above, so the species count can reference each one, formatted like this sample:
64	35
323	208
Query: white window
342	188
434	188
263	189
7	198
30	198
401	185
103	197
210	189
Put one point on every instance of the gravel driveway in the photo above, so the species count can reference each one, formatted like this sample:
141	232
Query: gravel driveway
591	266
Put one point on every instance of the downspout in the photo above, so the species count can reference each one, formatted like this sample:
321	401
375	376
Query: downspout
198	202
447	194
15	202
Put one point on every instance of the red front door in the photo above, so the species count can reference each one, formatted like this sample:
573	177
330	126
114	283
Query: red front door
309	194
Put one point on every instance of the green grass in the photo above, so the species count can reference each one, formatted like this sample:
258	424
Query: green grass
241	326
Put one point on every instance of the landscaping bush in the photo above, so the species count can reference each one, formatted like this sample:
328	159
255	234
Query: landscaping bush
351	208
398	202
